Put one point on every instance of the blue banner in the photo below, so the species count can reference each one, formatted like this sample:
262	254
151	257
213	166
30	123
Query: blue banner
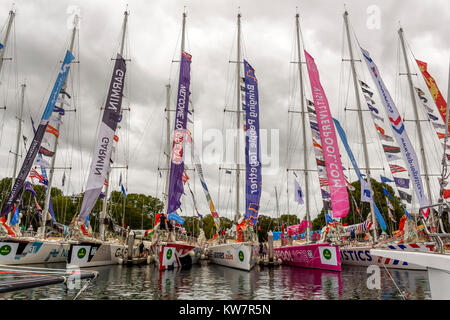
37	140
328	219
15	218
252	145
355	166
174	217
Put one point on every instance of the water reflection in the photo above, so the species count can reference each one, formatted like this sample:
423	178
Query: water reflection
208	281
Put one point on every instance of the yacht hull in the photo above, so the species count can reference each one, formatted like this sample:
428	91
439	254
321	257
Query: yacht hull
240	255
32	251
91	254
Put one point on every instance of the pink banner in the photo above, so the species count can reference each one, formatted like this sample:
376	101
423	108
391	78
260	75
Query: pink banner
298	228
331	155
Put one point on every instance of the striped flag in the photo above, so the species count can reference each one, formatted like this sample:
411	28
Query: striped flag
52	130
395	168
185	177
391	149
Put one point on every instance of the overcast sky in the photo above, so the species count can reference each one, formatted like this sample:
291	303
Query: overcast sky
268	39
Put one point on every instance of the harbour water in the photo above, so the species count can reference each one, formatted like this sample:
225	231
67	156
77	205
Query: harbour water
207	281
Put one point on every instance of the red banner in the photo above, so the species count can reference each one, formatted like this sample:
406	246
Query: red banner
434	90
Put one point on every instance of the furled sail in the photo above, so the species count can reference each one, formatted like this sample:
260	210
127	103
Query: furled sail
102	153
37	140
179	135
330	148
407	150
252	145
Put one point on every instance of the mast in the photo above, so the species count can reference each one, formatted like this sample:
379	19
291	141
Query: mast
305	150
168	151
238	110
361	124
12	14
105	199
52	166
276	198
417	121
19	133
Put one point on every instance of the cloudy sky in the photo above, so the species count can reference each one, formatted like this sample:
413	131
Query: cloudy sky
42	34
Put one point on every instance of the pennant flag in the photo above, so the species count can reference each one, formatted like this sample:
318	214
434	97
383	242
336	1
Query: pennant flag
314	126
385	180
372	108
59	110
36	175
446	193
438	125
298	193
41	162
402	182
185	177
120	179
391	149
52	130
102	195
228	171
295	174
116	138
380	129
325	194
385	137
46	152
389	204
123	191
432	117
392	157
395	168
374	116
328	219
370	93
323	182
63	179
15	217
405	196
87	222
320	162
366	194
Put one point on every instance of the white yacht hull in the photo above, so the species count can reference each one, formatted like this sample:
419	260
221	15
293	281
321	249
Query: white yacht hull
91	254
437	265
239	255
17	251
361	256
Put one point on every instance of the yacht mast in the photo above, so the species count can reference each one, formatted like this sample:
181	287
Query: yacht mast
361	124
12	14
305	149
105	199
52	165
238	110
417	121
19	134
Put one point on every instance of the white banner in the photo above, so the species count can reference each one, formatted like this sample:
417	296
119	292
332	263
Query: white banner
408	153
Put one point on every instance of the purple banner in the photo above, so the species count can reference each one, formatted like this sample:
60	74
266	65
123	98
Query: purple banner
252	145
179	134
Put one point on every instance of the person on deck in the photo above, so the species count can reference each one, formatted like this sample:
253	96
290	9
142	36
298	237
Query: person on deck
261	249
162	222
141	249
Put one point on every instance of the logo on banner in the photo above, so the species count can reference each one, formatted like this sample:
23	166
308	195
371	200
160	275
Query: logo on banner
169	254
5	250
81	253
177	150
327	254
241	256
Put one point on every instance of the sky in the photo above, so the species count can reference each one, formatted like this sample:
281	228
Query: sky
42	33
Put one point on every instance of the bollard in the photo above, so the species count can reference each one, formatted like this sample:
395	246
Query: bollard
270	240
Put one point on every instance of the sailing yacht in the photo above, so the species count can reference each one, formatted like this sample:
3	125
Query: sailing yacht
317	255
242	253
85	250
360	254
169	252
15	248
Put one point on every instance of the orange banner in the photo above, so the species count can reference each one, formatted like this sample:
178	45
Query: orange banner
434	90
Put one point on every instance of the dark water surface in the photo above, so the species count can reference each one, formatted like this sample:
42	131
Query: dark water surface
207	281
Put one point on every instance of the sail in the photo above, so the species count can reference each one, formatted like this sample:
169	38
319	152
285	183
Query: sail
37	140
434	90
330	148
407	150
102	153
252	145
179	135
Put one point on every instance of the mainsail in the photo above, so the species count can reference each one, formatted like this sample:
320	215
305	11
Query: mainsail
330	148
179	135
37	140
101	159
407	150
252	145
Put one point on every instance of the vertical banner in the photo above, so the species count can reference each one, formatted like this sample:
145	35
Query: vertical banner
37	140
407	150
179	135
252	145
102	153
330	148
434	90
